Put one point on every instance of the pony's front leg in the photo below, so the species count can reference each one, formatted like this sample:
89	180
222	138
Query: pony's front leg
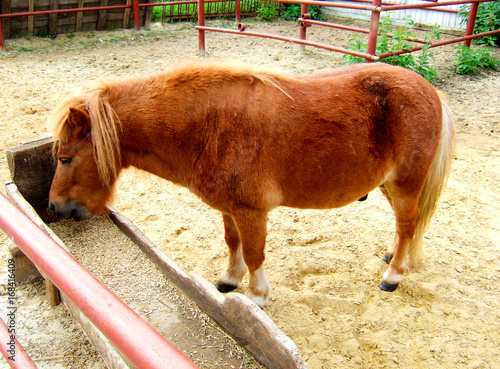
236	268
252	227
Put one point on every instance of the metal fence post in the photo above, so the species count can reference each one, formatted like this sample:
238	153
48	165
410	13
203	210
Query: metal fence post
136	15
201	22
2	40
374	24
471	22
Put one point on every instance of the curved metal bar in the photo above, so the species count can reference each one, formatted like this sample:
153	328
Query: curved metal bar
128	332
290	39
12	350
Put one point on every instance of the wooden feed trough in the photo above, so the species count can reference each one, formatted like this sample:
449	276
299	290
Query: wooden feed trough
32	170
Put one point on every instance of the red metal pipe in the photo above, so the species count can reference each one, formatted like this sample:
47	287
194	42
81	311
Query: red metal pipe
333	25
128	332
303	30
419	6
291	39
471	22
201	23
97	8
319	3
12	351
325	3
374	24
237	10
59	11
439	43
181	3
2	40
355	29
136	16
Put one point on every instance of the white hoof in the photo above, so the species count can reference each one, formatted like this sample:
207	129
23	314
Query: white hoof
259	300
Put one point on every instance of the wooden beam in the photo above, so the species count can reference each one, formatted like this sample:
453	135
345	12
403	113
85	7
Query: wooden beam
32	169
6	9
79	17
148	14
52	29
126	15
101	20
235	313
31	8
108	353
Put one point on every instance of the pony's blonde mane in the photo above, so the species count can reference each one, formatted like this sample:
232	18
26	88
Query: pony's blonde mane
105	128
201	75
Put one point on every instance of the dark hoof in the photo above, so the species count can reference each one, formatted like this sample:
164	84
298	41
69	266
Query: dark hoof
225	287
388	287
363	198
387	258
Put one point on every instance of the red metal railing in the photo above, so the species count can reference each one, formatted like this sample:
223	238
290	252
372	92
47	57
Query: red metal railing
12	350
127	331
375	8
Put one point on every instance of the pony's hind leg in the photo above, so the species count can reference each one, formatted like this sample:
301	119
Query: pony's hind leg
390	250
405	206
236	268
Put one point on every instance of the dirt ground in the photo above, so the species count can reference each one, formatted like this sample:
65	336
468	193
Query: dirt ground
324	266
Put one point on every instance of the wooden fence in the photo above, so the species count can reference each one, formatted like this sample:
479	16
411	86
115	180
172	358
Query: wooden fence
53	24
105	14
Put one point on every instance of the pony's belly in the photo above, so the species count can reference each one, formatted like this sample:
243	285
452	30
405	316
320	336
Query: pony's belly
325	201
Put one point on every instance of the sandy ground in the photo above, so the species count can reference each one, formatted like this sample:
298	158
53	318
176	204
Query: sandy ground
324	266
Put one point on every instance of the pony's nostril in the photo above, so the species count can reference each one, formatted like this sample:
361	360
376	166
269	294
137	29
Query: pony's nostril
52	207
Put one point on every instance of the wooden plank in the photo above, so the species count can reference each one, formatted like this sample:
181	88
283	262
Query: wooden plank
235	313
126	15
52	28
6	8
101	20
31	7
148	14
79	17
32	169
111	356
25	271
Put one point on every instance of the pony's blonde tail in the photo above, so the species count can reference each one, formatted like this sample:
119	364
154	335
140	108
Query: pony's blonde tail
436	179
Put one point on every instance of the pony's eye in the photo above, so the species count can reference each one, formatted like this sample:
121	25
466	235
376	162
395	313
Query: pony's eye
66	161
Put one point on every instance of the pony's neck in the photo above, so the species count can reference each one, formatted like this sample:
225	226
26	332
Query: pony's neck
157	130
157	165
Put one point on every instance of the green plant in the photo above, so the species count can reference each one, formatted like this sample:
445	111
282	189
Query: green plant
157	13
469	61
392	39
293	12
487	19
42	32
267	11
25	49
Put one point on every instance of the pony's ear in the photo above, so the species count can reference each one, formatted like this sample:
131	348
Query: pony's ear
79	121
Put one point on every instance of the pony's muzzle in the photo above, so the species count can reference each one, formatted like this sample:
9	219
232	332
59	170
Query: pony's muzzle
68	210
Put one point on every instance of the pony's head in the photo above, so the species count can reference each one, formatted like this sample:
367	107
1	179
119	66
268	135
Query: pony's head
88	156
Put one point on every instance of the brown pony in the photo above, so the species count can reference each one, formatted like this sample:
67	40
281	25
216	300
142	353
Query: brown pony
248	140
